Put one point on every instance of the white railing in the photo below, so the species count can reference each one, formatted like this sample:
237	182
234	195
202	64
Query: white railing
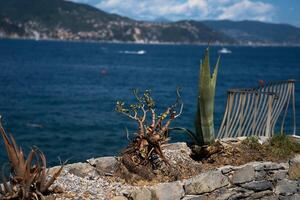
255	111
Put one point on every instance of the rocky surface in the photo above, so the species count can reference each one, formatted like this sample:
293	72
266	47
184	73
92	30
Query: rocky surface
245	174
255	180
294	169
206	182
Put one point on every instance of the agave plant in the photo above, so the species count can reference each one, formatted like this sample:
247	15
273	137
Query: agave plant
204	121
28	178
150	135
205	104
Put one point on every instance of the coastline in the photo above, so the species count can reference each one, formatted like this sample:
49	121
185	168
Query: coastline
150	43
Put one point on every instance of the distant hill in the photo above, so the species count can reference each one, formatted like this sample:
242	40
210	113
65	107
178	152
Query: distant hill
65	20
257	32
58	19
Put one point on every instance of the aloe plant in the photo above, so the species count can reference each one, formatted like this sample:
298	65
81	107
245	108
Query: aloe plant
28	178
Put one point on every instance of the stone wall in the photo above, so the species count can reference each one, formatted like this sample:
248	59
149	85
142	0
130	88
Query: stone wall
255	180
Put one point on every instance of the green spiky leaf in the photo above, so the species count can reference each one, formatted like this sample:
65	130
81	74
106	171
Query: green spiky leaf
205	103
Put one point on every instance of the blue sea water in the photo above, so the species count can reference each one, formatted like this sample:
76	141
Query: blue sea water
60	96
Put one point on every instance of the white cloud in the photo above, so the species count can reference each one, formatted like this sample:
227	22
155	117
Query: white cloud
247	9
156	8
187	9
79	1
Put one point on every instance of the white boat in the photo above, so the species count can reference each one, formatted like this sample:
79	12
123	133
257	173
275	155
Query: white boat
140	52
224	51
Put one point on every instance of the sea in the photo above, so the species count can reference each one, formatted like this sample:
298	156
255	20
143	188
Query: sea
61	96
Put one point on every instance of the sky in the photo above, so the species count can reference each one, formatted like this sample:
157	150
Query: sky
276	11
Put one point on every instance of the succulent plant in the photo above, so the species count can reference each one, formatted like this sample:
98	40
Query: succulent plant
28	176
150	135
204	121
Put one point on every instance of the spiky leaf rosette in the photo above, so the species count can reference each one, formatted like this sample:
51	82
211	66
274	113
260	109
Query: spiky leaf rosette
28	178
205	103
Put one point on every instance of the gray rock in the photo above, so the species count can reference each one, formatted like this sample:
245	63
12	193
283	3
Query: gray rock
141	194
285	165
240	195
295	197
245	174
225	193
242	190
286	187
206	182
119	198
259	195
179	146
294	168
168	191
221	194
258	185
104	165
271	197
194	197
291	197
279	175
81	169
260	175
226	169
269	166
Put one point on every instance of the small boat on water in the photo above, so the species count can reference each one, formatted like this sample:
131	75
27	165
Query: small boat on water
224	51
140	52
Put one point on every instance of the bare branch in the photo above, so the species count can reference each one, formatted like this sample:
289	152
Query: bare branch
130	116
162	117
165	127
141	131
144	113
153	117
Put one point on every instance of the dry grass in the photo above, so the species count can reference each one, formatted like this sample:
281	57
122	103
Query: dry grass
280	148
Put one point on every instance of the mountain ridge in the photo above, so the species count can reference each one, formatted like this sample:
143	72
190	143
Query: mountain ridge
254	31
65	20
